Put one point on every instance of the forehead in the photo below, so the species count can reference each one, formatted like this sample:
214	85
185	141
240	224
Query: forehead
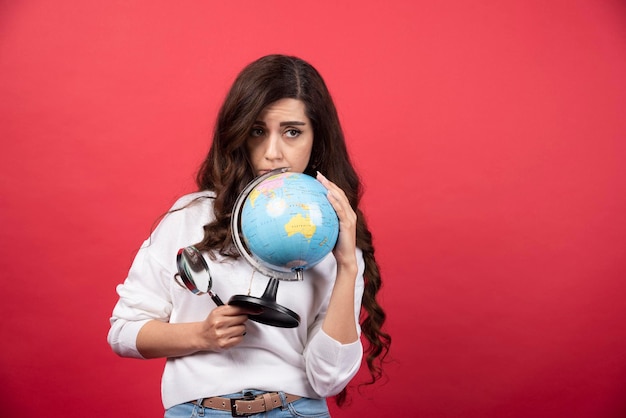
285	108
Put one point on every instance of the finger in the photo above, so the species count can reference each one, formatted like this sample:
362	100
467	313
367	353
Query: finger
342	206
237	331
225	336
329	185
336	196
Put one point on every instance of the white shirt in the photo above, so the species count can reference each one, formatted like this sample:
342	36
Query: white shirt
303	360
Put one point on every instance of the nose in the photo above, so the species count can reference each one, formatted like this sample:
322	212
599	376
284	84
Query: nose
273	149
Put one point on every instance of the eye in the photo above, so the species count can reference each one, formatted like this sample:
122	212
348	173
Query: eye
292	133
256	132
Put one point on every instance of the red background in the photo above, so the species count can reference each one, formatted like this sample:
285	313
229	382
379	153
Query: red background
489	135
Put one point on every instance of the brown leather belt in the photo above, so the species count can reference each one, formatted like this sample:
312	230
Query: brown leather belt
248	405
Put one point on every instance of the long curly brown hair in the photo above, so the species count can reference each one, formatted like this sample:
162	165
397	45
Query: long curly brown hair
227	170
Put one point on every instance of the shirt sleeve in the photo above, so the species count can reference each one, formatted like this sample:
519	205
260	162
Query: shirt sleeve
331	365
145	295
142	298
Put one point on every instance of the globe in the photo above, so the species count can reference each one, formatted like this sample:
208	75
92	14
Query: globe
287	222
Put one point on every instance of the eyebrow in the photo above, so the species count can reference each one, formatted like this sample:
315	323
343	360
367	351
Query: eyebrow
286	123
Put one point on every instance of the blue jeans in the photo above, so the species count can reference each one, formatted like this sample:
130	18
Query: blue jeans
301	408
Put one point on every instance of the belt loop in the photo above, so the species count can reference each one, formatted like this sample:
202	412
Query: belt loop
283	399
199	408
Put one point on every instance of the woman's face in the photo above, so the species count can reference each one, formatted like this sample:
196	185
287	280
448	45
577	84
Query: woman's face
282	136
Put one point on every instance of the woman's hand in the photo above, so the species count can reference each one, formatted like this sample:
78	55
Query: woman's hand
345	249
224	327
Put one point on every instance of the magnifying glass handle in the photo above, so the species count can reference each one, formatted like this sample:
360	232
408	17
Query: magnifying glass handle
216	299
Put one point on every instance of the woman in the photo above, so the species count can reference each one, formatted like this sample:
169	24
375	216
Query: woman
278	113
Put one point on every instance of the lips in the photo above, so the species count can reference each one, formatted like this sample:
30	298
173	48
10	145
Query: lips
266	170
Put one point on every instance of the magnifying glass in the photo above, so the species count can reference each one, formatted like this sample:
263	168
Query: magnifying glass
194	274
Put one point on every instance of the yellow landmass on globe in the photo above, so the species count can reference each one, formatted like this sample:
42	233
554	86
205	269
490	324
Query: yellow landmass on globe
254	194
300	225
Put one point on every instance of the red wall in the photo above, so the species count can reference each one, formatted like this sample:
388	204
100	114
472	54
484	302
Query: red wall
489	135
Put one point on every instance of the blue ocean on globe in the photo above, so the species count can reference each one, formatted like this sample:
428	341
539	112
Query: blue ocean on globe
288	223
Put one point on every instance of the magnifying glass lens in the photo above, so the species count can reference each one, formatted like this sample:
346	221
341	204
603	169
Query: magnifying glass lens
194	272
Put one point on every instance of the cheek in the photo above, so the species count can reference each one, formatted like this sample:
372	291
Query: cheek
252	150
304	156
307	155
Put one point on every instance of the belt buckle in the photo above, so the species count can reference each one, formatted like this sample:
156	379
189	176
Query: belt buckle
248	396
